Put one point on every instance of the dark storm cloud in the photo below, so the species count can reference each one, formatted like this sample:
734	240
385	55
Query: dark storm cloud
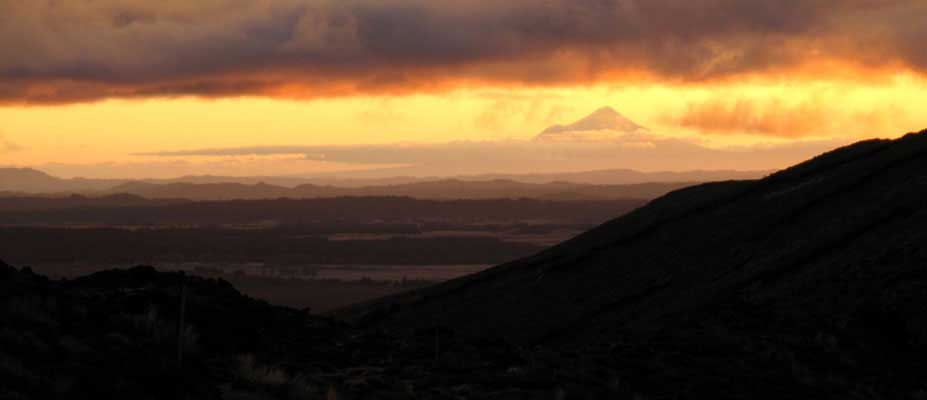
54	51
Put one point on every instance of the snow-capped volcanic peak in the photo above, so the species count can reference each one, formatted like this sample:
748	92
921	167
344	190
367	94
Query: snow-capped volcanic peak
604	121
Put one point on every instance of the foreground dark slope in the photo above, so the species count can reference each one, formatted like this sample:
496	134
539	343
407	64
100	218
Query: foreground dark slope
114	335
818	270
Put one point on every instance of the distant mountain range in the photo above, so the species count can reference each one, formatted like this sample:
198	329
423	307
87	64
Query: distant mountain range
27	180
628	176
444	189
596	184
606	184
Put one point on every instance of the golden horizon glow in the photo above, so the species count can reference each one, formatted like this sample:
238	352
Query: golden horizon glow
114	130
85	84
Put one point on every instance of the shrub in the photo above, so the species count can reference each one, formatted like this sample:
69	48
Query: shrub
249	371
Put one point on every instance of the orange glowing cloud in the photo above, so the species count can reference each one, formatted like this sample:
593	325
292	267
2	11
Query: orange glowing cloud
772	118
63	52
777	117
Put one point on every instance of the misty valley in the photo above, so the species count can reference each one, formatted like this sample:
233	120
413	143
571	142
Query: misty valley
319	254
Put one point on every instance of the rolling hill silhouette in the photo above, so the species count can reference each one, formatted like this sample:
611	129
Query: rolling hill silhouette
28	180
438	189
809	281
22	182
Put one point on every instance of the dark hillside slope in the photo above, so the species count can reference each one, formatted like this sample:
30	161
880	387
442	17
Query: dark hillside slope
114	334
815	276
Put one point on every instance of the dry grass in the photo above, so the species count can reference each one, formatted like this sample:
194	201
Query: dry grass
250	371
296	387
34	309
163	331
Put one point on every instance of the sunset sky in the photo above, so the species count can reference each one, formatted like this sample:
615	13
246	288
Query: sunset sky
131	88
